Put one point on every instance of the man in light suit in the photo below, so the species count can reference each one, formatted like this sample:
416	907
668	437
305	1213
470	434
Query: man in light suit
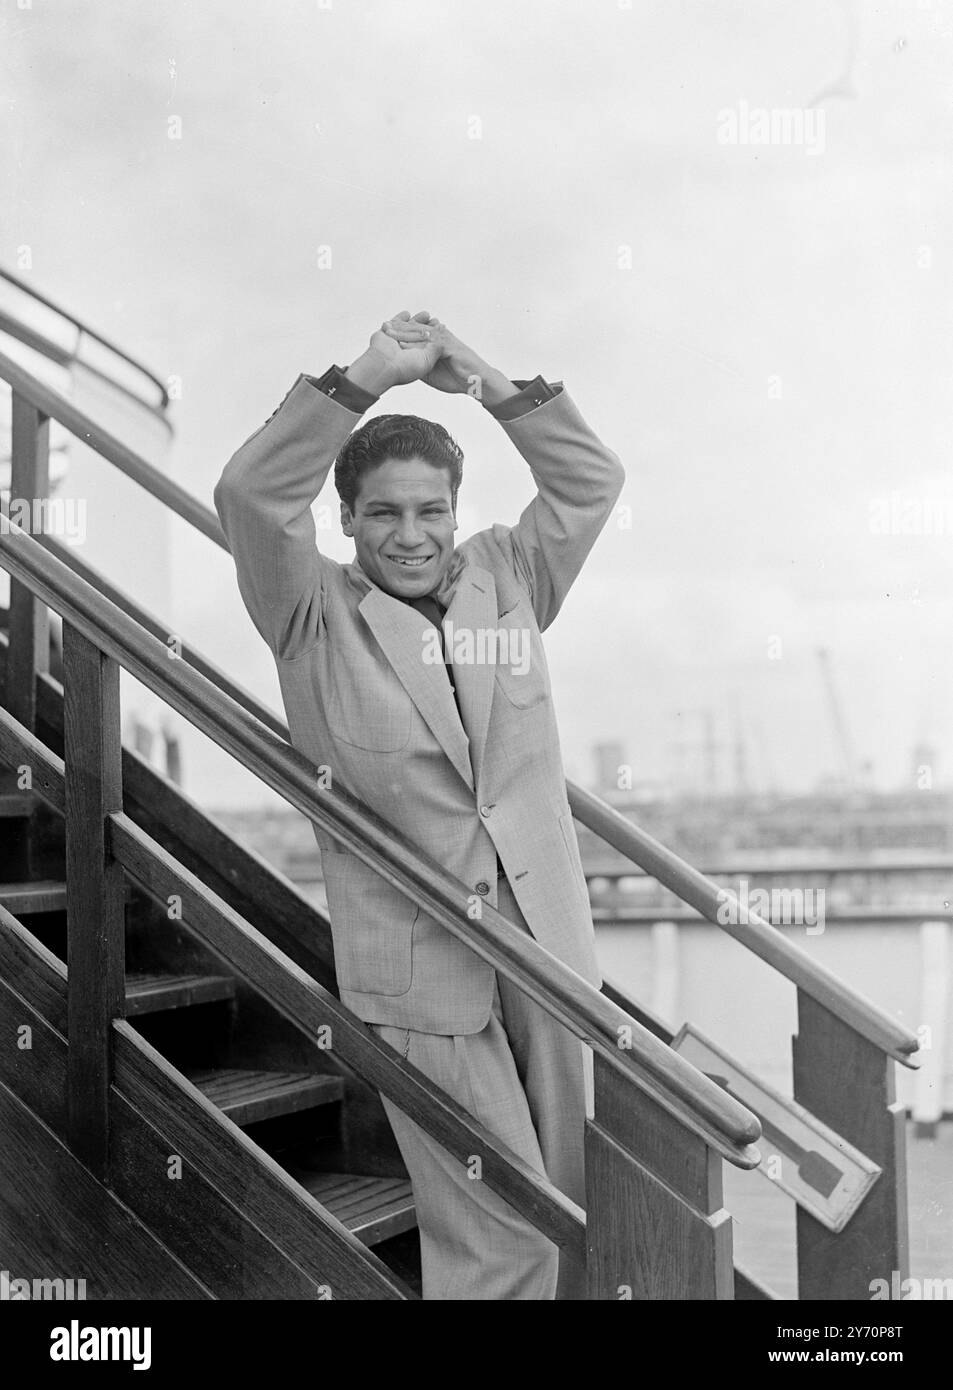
458	748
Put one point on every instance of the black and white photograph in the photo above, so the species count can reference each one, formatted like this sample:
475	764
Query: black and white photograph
476	668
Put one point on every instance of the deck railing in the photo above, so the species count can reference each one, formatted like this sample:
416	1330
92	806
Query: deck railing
71	346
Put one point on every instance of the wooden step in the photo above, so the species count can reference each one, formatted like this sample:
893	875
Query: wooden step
373	1209
247	1096
40	895
16	805
149	992
43	895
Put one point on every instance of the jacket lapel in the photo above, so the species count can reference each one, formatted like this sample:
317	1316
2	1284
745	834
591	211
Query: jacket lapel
401	633
472	608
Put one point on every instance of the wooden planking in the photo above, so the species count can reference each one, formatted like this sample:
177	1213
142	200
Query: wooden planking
657	1225
653	1137
374	1209
37	895
212	1236
36	974
234	1167
247	1096
310	1007
14	804
95	914
449	1123
41	895
849	1084
236	873
646	1242
57	1221
33	1059
149	992
194	1128
19	747
346	1187
23	840
40	977
29	649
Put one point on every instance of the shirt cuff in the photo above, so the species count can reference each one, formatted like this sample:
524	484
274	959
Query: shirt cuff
530	395
338	385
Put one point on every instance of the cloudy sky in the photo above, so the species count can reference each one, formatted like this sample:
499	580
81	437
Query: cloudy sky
760	330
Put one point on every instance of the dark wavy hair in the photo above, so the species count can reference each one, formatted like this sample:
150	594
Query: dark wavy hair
395	437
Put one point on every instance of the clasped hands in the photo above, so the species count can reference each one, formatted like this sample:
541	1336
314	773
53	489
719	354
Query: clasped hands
419	347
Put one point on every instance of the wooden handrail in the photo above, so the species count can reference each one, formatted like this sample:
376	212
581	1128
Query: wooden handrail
70	557
867	1018
63	355
879	915
808	974
938	864
703	1107
295	993
672	871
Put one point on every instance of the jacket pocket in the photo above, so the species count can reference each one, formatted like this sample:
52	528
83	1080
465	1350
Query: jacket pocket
373	717
524	691
372	926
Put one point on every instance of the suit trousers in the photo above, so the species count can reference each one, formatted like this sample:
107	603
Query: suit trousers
529	1081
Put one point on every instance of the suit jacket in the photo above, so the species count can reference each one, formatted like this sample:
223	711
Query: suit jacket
360	698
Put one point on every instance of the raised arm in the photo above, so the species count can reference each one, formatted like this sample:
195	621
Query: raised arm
268	486
578	479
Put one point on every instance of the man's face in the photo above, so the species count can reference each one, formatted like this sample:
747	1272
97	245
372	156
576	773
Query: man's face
403	525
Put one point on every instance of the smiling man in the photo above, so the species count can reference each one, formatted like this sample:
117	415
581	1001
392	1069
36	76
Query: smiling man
461	753
403	523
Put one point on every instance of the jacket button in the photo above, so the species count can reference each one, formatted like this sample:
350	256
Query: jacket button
483	887
485	810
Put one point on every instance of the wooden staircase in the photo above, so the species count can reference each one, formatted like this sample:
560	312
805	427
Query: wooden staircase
290	1099
172	993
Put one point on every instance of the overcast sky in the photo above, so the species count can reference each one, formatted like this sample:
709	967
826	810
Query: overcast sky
760	331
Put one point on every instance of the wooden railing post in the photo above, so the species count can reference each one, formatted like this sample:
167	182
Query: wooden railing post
29	618
656	1225
849	1084
94	891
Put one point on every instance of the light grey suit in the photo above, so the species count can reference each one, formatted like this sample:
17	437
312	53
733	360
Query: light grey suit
361	699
